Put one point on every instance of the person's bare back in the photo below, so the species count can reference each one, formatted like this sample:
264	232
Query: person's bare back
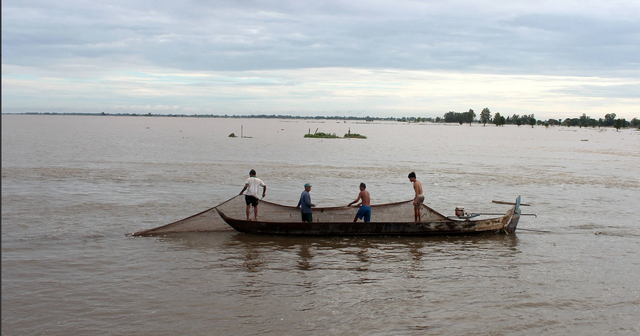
365	197
417	186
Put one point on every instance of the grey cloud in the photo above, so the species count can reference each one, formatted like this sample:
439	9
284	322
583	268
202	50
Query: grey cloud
630	91
254	35
581	42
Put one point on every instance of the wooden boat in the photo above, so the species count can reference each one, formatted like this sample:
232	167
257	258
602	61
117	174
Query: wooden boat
387	219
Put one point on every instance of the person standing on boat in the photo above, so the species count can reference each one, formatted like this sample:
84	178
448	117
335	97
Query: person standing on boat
305	204
252	186
365	205
418	199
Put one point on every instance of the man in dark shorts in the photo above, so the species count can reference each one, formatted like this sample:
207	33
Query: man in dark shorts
305	204
418	199
365	205
252	186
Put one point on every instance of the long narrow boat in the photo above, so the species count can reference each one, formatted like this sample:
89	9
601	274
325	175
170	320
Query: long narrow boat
387	219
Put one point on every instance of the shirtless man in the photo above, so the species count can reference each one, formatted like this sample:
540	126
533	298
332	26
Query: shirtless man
418	199
365	205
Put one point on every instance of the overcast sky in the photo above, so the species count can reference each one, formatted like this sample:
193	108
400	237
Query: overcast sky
553	59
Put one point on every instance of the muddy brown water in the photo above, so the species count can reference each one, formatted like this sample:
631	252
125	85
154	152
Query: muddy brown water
74	186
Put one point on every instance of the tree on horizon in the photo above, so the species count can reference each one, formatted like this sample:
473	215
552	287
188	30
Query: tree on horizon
485	116
532	121
470	116
498	119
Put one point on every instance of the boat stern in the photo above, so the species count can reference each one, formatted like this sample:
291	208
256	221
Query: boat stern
515	218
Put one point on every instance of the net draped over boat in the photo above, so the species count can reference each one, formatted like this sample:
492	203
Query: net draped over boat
210	221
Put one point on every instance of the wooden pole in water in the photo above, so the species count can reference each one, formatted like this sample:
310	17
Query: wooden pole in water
241	131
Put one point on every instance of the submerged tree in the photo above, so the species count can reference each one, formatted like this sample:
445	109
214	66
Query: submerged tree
452	116
618	124
485	116
470	116
584	120
532	120
498	119
609	119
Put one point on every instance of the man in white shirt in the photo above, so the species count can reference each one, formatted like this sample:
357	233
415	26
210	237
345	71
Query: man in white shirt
252	186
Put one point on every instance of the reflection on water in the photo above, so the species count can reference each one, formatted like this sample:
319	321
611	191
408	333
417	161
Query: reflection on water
259	252
400	281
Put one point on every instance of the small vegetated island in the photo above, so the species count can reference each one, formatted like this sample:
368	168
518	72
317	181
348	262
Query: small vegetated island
355	136
323	135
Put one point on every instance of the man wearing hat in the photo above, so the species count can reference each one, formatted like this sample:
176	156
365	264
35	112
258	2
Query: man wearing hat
305	204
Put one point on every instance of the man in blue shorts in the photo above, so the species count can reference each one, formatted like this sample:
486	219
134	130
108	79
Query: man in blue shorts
365	205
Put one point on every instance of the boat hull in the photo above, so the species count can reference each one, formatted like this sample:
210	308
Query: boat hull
438	227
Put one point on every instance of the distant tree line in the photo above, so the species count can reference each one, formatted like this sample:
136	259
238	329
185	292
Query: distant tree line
469	117
252	116
609	120
415	119
459	117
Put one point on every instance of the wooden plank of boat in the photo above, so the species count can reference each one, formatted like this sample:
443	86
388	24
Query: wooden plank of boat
509	203
440	226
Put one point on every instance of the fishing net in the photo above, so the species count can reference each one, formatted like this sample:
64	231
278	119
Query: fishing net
209	220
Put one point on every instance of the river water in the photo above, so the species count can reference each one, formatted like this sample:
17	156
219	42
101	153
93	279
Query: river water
73	187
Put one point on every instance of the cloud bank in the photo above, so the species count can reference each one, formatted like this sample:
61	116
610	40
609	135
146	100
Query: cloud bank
401	58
